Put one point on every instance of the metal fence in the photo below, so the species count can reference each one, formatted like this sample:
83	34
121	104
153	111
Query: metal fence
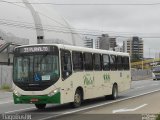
5	75
141	74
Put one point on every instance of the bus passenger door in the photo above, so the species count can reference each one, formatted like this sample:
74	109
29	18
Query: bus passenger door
66	72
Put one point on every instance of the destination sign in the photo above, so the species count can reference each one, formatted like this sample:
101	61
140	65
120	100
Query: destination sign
35	49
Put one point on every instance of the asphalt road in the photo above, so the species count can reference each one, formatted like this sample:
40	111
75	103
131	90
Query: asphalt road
130	104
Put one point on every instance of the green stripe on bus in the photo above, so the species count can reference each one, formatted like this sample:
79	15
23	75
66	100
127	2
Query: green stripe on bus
42	99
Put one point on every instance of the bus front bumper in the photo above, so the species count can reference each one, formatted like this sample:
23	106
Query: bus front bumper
37	99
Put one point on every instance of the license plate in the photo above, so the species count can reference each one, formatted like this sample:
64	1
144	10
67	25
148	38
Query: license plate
34	100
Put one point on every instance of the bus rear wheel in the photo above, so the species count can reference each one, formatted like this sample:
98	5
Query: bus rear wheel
77	99
40	106
114	95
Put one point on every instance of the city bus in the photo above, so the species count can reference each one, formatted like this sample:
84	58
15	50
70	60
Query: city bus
58	74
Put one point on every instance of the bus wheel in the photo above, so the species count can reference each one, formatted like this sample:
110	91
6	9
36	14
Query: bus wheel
77	99
40	106
114	92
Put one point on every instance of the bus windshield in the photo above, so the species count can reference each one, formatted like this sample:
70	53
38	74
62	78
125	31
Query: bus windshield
38	69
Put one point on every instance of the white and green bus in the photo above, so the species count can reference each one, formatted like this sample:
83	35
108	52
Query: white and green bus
45	74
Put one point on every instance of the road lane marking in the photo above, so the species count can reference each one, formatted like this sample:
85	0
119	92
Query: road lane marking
19	110
6	102
95	106
128	110
87	108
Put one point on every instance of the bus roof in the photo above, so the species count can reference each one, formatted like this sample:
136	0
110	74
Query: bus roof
77	48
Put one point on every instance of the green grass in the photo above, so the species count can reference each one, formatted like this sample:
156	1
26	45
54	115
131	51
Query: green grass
158	117
5	87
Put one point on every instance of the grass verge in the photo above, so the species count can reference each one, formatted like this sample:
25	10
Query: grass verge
5	87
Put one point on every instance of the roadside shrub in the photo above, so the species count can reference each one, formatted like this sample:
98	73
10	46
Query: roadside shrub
6	87
158	117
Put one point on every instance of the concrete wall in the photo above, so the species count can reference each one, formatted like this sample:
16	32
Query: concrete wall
5	75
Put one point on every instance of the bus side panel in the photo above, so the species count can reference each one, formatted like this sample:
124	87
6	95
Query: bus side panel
103	84
70	85
127	80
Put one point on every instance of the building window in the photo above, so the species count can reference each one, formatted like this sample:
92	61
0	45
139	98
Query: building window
40	37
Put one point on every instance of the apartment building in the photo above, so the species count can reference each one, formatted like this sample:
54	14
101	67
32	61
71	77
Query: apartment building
134	46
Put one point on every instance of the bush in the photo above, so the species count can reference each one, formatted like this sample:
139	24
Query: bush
5	87
158	117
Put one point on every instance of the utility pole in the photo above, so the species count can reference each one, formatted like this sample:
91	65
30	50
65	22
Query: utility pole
142	63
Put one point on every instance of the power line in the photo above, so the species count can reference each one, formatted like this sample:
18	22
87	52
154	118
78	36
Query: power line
68	31
14	3
51	27
48	28
27	24
69	27
89	4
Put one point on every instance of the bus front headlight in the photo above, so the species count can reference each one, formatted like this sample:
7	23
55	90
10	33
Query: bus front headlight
16	93
53	92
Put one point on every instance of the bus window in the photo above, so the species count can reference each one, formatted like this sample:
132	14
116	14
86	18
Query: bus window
113	62
77	58
66	64
119	63
126	63
88	61
106	62
97	62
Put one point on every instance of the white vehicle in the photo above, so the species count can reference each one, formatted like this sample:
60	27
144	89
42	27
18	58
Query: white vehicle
156	72
44	74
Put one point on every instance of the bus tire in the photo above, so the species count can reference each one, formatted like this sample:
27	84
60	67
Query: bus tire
77	99
40	106
114	95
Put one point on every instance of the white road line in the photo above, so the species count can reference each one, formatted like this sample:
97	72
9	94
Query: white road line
87	108
128	110
19	110
11	101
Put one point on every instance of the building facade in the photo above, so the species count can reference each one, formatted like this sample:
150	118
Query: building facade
134	46
88	42
119	48
107	43
91	42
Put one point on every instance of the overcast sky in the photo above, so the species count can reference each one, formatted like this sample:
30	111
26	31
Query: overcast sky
124	20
